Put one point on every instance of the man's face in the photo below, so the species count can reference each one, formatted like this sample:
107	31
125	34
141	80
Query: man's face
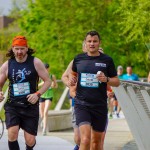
120	71
129	70
92	43
20	52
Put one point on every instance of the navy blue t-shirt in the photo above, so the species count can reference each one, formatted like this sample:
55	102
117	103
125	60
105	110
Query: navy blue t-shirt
89	89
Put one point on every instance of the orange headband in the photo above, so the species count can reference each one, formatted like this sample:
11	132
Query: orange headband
19	41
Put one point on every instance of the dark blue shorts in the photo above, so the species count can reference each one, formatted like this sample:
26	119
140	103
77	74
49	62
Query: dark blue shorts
44	99
27	118
96	116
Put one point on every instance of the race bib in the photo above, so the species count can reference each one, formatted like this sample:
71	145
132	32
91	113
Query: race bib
21	88
89	80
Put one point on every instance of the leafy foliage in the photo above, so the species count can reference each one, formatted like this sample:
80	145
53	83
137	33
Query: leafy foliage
57	28
135	27
135	19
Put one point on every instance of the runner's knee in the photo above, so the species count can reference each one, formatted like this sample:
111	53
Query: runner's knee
30	147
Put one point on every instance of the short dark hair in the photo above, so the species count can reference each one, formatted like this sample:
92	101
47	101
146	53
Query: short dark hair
93	33
46	65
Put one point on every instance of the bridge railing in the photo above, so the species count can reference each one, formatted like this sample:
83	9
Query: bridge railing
62	99
134	99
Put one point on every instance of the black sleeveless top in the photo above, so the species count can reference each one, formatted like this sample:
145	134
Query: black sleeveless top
23	80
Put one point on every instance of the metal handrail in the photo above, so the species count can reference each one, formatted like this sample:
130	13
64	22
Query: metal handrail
134	99
135	83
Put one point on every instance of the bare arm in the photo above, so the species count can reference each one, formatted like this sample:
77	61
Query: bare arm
65	79
148	79
65	76
72	90
43	74
114	81
54	82
3	78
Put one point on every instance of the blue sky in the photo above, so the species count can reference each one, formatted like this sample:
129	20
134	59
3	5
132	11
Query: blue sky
5	6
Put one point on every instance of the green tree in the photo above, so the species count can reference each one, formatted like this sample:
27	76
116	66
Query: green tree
135	26
135	19
57	28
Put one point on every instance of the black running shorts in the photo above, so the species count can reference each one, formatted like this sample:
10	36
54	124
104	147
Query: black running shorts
27	118
96	116
44	99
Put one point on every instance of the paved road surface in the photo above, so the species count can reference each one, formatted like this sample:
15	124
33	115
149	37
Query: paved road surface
117	137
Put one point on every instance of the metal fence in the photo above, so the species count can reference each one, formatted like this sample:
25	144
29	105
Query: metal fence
134	99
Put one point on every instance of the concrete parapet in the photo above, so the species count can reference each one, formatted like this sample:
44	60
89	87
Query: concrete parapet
59	120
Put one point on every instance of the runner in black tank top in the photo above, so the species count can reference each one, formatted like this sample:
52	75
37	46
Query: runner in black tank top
22	105
23	80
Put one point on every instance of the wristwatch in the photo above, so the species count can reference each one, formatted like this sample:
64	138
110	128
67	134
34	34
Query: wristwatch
38	94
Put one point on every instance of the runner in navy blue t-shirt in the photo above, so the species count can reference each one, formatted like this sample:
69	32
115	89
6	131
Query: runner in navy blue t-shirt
91	93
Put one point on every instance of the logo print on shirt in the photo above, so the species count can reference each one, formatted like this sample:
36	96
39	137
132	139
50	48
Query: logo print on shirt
21	75
100	64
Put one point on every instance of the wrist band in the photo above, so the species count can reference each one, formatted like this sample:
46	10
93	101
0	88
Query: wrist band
38	94
74	73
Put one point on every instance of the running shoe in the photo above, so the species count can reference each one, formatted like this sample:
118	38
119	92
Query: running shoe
41	124
44	133
118	115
